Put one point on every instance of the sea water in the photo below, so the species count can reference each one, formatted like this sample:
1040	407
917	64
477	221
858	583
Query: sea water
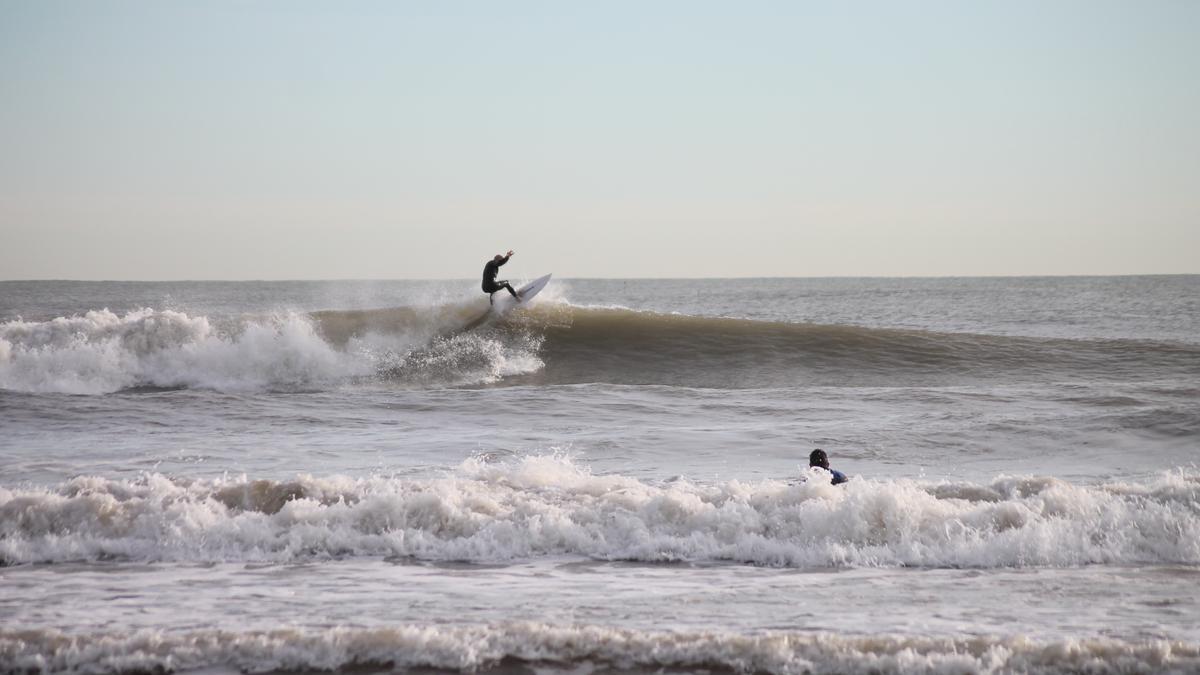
305	476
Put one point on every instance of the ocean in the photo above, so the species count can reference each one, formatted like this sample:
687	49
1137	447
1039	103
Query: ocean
310	476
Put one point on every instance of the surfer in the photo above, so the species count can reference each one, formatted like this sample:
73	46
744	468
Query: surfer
819	458
490	270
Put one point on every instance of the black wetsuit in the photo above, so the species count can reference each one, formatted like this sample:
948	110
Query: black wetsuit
490	270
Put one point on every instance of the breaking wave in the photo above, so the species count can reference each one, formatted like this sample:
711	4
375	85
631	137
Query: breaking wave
549	343
101	352
541	506
519	647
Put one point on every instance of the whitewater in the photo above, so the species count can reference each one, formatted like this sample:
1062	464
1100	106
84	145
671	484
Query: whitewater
336	476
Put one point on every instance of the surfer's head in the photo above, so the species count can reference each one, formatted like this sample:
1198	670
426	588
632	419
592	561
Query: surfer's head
498	258
818	458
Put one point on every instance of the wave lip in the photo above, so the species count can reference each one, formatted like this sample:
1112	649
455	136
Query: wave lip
474	648
545	506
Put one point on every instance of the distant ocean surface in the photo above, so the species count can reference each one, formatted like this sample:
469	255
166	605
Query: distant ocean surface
335	476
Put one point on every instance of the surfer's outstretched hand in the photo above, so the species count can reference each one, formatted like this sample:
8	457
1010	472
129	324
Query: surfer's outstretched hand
509	253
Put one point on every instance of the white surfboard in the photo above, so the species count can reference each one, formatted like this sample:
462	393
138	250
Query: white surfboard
533	288
504	301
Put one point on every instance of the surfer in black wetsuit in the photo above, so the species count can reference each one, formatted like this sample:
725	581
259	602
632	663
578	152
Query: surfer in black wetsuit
490	270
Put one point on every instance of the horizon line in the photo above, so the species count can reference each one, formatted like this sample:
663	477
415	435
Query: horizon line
665	278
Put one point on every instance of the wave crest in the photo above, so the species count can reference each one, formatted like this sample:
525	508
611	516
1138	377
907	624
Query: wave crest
548	343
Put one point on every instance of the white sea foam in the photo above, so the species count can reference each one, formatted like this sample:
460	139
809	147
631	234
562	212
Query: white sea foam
460	359
584	648
101	351
548	506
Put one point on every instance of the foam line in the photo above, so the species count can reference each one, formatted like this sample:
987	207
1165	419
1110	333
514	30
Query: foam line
541	506
481	647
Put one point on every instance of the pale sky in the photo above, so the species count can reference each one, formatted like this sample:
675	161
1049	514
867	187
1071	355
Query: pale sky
324	140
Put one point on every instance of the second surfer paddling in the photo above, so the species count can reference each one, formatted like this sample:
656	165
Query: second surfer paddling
490	285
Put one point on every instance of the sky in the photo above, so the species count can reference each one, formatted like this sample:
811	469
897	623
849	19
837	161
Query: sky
405	139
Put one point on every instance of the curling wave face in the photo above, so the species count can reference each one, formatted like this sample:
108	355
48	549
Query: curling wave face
631	347
541	506
550	343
